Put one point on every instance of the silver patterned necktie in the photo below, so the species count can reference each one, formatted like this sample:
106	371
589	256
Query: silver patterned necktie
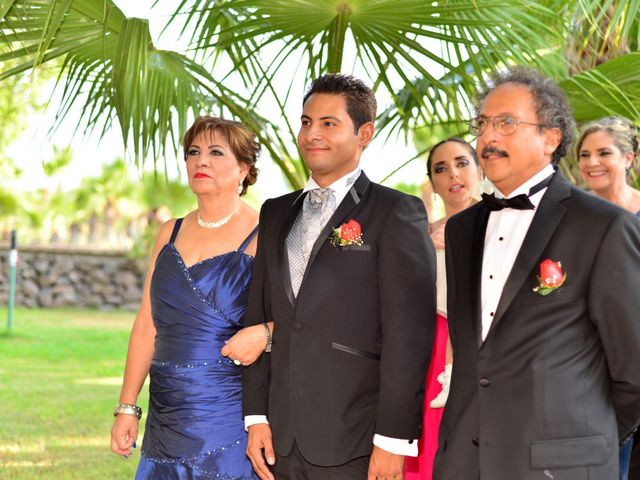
318	206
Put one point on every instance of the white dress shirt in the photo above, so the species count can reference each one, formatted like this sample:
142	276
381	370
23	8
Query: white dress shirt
441	282
340	189
506	230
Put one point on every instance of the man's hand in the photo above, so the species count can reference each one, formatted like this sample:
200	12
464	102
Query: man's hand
385	465
259	440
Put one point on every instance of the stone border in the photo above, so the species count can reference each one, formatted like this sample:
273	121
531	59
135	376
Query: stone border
57	277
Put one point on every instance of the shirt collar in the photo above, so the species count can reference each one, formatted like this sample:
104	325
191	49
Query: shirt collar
526	186
340	187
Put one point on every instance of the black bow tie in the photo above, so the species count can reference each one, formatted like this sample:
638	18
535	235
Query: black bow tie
519	202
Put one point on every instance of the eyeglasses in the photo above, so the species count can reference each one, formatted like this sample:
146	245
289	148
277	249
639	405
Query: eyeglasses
503	124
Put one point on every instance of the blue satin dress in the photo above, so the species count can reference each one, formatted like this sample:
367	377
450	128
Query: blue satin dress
194	428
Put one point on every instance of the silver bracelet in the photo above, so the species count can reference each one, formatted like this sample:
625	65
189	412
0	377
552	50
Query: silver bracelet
267	347
128	409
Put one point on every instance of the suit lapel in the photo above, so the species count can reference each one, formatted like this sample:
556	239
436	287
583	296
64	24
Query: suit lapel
477	251
351	199
283	259
547	218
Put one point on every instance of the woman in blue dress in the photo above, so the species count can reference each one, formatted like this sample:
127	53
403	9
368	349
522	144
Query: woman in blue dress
607	150
194	301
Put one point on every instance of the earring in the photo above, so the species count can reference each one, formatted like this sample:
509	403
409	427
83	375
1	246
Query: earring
239	189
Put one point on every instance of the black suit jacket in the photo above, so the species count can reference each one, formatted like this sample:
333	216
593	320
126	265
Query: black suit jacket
350	354
556	383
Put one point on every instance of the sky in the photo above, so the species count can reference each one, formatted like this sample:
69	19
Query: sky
90	153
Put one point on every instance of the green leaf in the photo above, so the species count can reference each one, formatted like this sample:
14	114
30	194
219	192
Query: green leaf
428	58
613	88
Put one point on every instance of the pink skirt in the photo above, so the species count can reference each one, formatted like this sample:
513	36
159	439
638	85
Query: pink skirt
421	467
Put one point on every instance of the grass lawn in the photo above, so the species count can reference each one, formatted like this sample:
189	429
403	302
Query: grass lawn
60	374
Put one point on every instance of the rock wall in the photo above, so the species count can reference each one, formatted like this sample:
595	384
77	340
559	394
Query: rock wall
56	278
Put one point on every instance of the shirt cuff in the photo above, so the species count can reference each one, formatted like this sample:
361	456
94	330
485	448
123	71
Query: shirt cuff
254	420
408	448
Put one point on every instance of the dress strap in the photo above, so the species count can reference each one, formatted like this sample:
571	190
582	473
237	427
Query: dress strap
176	227
247	240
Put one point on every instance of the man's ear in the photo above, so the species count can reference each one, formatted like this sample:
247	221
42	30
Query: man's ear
365	134
552	138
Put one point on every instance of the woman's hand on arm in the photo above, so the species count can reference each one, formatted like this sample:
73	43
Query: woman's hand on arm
437	235
248	344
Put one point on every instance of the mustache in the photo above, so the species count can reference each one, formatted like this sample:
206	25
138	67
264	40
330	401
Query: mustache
488	150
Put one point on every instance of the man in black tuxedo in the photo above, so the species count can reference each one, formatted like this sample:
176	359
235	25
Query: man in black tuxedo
544	311
354	315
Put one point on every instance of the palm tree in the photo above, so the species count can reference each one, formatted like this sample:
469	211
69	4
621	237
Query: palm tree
427	58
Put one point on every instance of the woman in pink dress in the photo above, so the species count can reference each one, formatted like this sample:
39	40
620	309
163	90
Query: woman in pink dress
454	172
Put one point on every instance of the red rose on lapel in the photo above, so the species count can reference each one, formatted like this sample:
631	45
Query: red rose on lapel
349	233
551	277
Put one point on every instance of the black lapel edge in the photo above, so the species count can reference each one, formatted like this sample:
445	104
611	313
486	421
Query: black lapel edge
283	260
475	277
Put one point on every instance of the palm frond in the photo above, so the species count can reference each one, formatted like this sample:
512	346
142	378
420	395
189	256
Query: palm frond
600	31
396	41
613	88
428	58
109	69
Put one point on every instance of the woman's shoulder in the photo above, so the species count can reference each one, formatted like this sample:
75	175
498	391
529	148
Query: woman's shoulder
166	229
163	237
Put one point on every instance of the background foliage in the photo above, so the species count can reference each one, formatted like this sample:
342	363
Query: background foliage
251	59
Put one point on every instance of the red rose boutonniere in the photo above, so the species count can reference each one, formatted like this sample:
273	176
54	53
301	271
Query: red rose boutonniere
347	234
551	277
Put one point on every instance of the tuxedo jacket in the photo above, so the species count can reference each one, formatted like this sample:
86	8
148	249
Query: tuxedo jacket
555	385
350	353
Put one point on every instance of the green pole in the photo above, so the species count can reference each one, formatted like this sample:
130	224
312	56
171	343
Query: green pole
13	266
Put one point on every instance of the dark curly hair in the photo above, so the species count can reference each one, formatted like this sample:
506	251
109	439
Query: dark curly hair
361	102
241	140
552	107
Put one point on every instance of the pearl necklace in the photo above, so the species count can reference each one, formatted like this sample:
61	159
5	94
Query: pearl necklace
217	223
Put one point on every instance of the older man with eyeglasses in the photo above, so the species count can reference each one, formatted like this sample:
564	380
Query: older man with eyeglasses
543	305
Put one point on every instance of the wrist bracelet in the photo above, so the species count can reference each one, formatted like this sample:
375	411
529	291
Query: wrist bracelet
267	347
128	409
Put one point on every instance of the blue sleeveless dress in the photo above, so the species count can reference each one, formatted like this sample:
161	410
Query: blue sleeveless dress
194	428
